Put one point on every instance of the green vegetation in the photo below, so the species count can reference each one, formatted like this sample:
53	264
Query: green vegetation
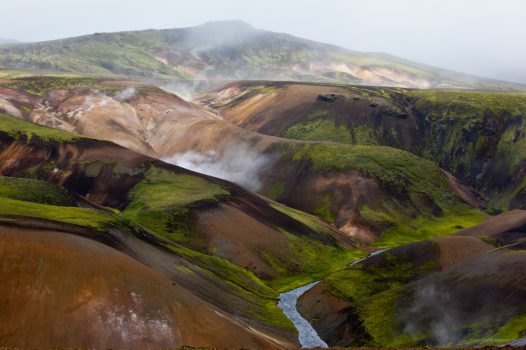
389	271
263	89
310	261
35	191
16	128
308	220
172	53
324	210
479	137
364	135
319	130
468	105
373	287
513	328
163	200
430	207
378	314
90	218
100	54
244	282
40	85
404	230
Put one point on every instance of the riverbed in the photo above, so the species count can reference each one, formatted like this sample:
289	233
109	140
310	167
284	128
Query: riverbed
307	335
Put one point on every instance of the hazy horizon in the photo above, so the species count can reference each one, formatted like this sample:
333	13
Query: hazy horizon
481	37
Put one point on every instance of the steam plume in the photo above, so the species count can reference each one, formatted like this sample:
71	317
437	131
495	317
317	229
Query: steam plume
237	162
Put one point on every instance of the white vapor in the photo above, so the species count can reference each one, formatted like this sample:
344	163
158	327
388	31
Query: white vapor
237	163
432	312
125	94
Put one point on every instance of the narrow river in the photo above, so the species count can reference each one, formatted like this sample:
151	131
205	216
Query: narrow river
307	335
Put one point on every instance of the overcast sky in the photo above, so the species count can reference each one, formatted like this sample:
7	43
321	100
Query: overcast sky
484	37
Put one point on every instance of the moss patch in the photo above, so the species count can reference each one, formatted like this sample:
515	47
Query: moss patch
35	191
90	218
163	199
319	130
16	127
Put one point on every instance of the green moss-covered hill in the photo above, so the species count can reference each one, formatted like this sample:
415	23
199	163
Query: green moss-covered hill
228	50
227	245
463	290
477	136
371	193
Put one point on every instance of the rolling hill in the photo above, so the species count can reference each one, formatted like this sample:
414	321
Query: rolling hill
230	50
371	194
145	243
462	290
476	136
329	172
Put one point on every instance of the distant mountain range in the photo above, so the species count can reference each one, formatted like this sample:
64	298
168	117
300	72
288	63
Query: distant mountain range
230	50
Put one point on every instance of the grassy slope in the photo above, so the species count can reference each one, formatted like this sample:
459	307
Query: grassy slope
237	52
484	127
478	136
16	127
36	191
161	203
402	173
41	85
163	200
43	200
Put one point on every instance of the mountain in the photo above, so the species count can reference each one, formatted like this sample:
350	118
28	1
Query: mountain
231	50
476	136
327	174
455	291
354	188
169	247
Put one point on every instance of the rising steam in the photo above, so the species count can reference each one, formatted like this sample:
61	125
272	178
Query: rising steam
237	162
126	94
433	312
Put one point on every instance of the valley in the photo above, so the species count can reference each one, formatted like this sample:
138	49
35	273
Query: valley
223	186
328	203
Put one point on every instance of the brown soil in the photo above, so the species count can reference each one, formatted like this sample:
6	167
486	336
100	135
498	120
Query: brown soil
77	292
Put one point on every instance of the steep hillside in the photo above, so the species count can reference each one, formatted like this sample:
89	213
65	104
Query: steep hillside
229	50
476	136
454	291
189	228
367	192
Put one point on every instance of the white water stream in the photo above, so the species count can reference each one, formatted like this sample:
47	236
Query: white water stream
307	335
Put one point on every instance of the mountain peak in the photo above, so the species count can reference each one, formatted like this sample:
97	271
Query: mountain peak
228	24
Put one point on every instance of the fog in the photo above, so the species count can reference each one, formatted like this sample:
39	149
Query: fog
484	37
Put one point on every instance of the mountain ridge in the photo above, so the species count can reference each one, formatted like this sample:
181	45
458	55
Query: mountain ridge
230	50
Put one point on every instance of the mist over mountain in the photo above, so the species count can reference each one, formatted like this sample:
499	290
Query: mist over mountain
4	41
230	50
221	186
